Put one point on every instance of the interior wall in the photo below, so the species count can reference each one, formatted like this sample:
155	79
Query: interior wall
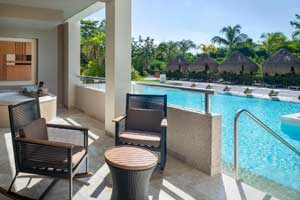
47	58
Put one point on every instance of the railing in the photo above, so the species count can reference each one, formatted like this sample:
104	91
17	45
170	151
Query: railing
263	125
207	92
91	79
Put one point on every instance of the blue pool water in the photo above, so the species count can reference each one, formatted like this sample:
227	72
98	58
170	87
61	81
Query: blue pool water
259	152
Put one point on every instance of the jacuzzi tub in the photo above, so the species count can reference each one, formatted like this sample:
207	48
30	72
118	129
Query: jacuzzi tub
47	105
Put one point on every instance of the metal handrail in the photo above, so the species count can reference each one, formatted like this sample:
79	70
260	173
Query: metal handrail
93	78
207	92
263	125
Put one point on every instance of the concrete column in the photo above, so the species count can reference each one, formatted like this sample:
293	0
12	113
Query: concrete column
118	59
71	61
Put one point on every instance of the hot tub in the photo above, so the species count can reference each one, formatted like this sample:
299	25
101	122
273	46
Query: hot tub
47	105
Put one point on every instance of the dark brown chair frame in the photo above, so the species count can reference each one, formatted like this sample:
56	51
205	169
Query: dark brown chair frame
69	172
162	148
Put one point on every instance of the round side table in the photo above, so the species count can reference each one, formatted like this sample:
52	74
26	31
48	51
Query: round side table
131	169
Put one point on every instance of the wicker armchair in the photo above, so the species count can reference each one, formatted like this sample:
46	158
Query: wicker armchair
145	124
50	150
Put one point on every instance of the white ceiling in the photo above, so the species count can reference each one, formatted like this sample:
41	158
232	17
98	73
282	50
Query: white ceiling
44	14
69	7
26	24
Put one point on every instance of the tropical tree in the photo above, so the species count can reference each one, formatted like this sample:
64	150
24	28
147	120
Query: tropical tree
271	42
93	38
248	47
143	53
185	45
296	24
167	51
233	36
206	49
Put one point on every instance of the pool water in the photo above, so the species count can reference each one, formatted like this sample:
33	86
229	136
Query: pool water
259	152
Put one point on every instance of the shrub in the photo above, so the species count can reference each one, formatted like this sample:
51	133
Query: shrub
135	76
158	65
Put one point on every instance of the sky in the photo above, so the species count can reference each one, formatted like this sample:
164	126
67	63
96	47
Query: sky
200	20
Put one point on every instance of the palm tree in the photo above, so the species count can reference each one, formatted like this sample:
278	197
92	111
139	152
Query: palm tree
271	42
233	36
206	49
296	25
167	51
185	45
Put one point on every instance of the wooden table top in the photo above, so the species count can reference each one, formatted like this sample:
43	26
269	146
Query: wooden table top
130	158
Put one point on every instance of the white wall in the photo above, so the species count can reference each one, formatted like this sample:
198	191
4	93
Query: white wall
71	61
47	52
117	59
91	101
195	138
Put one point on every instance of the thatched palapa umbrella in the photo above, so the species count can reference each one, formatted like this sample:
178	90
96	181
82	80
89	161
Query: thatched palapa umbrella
178	64
282	62
204	63
237	63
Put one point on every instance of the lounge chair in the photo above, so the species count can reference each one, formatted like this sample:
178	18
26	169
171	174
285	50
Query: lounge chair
227	89
145	124
51	150
248	91
273	93
209	86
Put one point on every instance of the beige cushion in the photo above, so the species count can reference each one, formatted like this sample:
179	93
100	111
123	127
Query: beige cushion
54	158
35	130
144	120
139	137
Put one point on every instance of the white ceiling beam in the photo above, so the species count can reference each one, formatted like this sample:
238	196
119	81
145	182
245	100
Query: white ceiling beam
31	13
87	12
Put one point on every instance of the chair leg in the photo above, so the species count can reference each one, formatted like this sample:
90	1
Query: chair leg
163	157
87	165
70	188
13	181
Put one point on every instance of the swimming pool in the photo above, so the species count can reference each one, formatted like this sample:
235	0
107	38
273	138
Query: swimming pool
259	152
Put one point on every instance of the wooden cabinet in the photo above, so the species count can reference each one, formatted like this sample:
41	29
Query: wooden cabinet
28	50
7	47
18	73
1	67
20	69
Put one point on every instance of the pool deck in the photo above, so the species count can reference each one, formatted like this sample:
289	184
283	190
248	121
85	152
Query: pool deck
238	90
178	181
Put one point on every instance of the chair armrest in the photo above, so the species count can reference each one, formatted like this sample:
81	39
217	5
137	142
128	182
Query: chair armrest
61	126
44	142
118	119
164	123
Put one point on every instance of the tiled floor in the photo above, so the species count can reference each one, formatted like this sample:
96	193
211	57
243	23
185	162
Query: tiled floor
179	181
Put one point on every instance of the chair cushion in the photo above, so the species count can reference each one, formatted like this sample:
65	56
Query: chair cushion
54	158
144	120
142	138
37	129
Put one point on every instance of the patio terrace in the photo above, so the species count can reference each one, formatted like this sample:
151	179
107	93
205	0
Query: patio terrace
178	181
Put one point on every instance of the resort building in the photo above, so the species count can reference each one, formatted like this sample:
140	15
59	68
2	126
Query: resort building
282	62
238	63
178	64
204	63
